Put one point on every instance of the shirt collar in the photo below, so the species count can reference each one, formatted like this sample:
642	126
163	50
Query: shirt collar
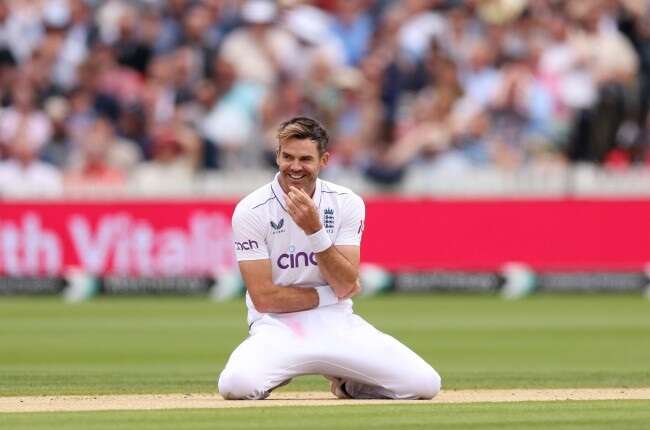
279	193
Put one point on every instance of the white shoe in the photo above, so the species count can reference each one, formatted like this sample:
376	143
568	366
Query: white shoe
337	387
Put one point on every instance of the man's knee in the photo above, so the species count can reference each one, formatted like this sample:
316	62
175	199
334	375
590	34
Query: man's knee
240	385
424	384
431	384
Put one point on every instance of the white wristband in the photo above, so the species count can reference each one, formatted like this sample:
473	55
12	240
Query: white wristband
319	241
326	296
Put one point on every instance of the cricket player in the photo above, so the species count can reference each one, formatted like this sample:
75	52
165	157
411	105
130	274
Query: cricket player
297	241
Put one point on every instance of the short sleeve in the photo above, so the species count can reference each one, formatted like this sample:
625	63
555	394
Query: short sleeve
248	235
352	221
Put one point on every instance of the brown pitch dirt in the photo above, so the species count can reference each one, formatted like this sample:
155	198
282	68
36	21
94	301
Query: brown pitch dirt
214	401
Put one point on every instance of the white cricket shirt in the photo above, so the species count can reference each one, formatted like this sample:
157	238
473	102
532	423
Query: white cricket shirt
263	229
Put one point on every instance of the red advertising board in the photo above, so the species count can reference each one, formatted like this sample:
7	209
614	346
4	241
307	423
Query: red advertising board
485	234
193	237
123	238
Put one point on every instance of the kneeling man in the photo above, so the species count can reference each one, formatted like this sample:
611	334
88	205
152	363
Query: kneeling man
297	241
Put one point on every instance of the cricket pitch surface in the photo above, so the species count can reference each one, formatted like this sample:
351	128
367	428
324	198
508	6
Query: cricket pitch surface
313	398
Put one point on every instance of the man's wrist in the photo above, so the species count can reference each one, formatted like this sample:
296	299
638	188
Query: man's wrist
313	230
326	296
319	241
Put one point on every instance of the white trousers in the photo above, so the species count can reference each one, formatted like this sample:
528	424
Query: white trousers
327	342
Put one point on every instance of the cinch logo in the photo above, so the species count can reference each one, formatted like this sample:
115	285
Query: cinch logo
294	259
246	246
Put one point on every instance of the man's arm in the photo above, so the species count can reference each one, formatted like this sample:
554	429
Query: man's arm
339	265
268	297
255	266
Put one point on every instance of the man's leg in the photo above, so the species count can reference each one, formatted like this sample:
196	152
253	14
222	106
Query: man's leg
367	363
255	368
267	359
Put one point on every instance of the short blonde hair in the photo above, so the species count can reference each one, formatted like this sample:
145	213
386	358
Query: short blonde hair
304	128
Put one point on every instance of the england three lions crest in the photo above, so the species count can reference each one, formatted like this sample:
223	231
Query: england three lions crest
328	220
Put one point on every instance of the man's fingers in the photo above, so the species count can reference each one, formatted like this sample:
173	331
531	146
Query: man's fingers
291	207
302	209
293	197
303	194
298	201
295	211
299	195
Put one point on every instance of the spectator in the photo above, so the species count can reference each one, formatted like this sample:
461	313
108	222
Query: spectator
130	47
634	22
23	174
353	27
58	149
230	122
612	64
419	24
460	34
481	77
176	152
24	116
317	43
101	159
73	22
204	29
21	27
269	49
357	118
521	111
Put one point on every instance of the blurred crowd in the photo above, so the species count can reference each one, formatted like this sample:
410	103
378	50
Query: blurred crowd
149	94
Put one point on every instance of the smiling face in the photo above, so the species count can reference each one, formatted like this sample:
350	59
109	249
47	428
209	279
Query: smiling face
300	163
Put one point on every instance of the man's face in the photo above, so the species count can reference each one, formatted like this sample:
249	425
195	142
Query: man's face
300	164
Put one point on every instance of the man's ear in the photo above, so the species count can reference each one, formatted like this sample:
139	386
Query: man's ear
324	159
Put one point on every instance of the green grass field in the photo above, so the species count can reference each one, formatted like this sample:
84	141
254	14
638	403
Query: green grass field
179	345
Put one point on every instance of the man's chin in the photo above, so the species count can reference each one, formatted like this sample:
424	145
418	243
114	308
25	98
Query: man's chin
303	183
297	182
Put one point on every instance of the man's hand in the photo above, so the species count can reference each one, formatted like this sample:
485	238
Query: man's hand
303	210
